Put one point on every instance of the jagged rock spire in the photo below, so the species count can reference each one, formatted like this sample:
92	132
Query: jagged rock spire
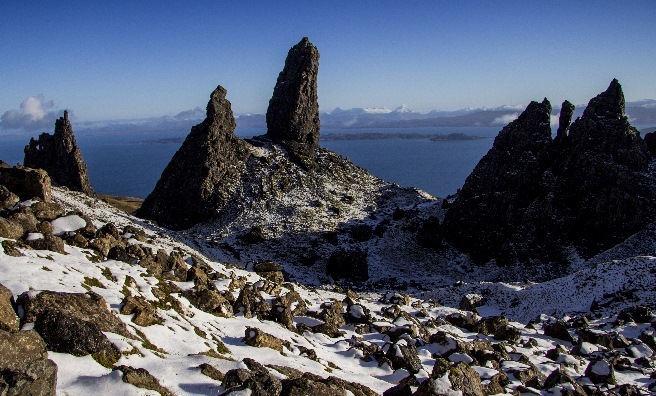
532	199
59	155
608	104
293	113
488	209
200	179
564	120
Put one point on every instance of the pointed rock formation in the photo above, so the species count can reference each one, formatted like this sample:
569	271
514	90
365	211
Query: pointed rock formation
565	119
533	199
293	114
59	155
489	209
604	188
202	175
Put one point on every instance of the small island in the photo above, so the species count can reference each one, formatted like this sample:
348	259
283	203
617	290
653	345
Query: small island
434	137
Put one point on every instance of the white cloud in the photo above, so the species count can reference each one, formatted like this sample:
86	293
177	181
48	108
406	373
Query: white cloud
505	119
34	113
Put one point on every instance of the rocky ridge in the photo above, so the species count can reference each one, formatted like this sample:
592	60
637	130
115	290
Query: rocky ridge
532	198
59	155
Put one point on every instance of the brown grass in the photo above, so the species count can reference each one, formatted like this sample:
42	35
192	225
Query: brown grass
126	204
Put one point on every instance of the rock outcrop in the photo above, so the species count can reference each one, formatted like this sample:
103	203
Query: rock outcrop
59	155
488	213
531	198
293	113
203	174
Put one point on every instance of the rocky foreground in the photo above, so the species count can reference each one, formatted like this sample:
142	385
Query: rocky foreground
96	301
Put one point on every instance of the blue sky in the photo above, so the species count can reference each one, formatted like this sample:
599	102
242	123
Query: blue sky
105	60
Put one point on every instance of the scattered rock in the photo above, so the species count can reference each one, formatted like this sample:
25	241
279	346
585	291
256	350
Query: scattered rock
141	378
144	314
259	339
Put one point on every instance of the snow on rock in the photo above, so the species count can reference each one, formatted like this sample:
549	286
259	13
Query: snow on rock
67	224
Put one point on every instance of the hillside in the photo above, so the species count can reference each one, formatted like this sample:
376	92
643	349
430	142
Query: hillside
189	345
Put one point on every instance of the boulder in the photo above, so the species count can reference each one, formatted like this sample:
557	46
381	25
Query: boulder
558	329
10	228
7	198
144	313
59	155
348	264
251	303
67	334
141	378
8	319
256	381
89	307
601	372
259	339
209	300
27	183
24	365
403	355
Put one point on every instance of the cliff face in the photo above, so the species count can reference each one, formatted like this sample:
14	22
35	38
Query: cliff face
59	155
531	198
203	174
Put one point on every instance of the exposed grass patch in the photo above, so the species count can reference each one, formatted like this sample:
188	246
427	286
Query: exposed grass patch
107	274
92	282
146	343
126	204
45	268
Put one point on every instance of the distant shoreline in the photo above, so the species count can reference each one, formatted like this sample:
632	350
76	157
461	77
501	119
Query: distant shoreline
332	137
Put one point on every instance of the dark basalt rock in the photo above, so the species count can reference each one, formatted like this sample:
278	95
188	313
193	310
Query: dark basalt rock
201	178
293	113
531	198
566	111
59	155
488	213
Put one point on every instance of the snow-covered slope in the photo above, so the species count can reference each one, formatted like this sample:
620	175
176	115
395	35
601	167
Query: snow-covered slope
388	338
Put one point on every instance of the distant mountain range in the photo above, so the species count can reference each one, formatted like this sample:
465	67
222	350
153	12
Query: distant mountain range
640	113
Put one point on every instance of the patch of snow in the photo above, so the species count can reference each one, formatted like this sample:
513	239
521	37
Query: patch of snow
67	223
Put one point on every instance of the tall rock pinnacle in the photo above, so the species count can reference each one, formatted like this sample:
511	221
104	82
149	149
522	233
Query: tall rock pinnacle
202	175
565	119
59	155
293	113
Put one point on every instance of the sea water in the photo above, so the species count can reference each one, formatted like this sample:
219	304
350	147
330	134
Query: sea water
130	164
